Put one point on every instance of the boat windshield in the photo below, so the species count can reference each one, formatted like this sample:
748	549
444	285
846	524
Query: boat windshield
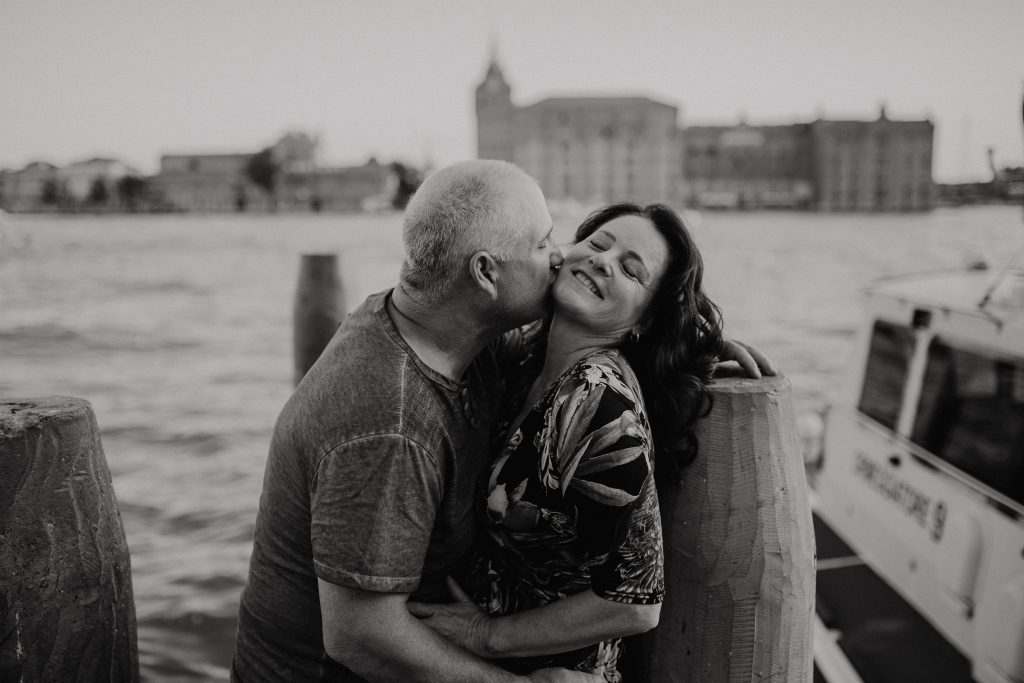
971	414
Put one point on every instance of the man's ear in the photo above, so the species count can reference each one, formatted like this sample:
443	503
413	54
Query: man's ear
483	270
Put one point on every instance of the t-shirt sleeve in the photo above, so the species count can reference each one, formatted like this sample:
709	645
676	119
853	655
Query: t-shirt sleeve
612	487
372	505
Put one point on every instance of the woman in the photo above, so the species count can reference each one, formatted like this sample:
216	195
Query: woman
571	557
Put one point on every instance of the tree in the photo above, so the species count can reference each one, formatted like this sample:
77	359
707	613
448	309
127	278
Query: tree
132	191
408	182
98	192
262	169
51	194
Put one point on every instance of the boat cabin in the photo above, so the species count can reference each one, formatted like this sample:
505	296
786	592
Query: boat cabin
922	472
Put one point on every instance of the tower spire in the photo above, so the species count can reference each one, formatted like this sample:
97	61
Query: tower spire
493	67
493	46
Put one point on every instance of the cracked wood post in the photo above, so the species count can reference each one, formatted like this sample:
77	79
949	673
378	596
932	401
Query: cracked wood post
739	550
66	605
319	309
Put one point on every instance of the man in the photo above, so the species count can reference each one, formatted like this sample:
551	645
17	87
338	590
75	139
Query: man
369	485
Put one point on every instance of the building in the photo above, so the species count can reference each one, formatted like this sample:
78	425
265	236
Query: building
583	149
369	187
80	178
207	182
83	185
593	150
221	182
33	188
749	167
880	165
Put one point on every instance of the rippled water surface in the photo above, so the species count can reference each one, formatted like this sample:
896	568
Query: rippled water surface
178	330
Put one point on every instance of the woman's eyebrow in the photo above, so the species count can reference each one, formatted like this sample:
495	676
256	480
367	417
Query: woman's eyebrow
641	266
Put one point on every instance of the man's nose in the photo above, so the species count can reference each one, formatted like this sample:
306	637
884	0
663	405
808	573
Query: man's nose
556	258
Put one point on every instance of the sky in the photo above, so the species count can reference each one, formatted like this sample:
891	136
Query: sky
394	79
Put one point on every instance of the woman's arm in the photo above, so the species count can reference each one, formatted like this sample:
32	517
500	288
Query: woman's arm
568	624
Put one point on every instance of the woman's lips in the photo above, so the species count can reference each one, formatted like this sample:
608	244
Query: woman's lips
588	282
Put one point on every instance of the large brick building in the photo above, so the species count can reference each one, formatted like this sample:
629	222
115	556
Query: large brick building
749	167
587	149
600	149
880	165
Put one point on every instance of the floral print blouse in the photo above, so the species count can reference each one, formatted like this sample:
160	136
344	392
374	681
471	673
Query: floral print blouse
570	505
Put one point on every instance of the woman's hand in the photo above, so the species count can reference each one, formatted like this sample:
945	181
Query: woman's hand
750	359
462	622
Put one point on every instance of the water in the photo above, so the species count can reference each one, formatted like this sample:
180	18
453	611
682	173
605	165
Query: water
178	330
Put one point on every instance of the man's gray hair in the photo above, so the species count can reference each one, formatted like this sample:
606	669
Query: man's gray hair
461	209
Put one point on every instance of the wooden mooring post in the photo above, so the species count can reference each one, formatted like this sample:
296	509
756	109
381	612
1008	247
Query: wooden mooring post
739	550
66	606
319	309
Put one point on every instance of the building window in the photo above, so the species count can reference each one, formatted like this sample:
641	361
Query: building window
886	372
971	415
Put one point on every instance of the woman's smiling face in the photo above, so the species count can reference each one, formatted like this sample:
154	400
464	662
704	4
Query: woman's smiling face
609	278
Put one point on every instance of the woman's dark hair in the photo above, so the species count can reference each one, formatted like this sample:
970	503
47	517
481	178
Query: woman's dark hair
682	338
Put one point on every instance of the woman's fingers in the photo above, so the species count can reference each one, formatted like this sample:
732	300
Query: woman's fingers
421	610
750	359
763	362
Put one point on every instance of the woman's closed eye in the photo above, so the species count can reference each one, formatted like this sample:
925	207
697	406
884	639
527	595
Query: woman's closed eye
635	270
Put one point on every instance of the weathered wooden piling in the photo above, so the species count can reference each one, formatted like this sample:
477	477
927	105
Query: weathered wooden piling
319	308
739	550
66	606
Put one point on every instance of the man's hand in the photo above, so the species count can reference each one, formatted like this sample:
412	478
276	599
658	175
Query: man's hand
374	635
461	622
750	359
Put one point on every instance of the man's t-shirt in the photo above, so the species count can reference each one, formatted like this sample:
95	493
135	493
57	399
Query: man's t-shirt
369	484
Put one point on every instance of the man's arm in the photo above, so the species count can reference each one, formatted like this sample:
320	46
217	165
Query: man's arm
374	635
567	624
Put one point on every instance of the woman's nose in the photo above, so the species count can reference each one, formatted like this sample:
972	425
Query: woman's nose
556	258
600	263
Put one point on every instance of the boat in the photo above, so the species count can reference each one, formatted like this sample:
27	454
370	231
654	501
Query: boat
918	493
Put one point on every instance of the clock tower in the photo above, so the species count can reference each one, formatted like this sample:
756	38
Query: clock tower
495	115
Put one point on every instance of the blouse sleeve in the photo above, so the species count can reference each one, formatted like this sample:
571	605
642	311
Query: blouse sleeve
607	476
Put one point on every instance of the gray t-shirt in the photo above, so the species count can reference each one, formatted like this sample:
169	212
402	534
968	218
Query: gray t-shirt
369	484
